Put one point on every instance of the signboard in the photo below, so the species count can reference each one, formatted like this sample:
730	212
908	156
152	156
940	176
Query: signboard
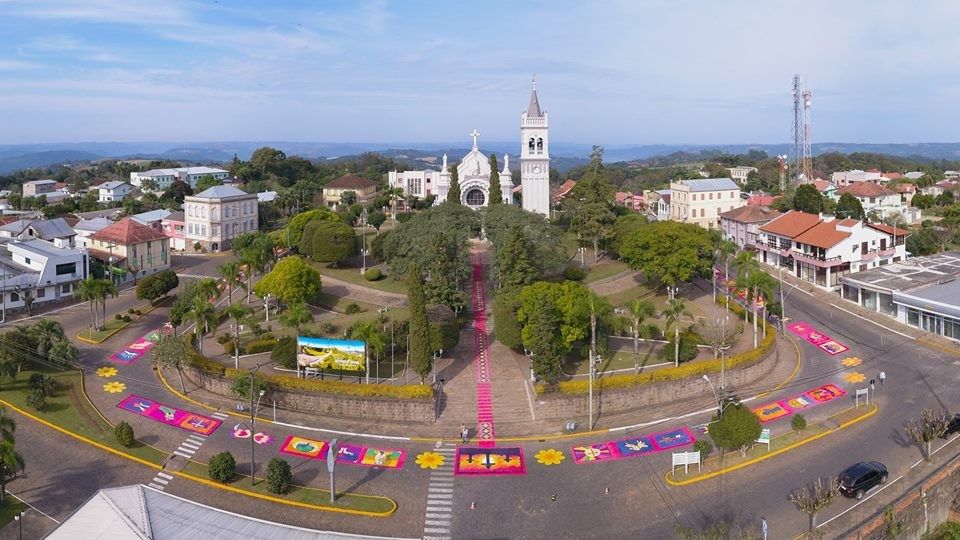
685	459
324	353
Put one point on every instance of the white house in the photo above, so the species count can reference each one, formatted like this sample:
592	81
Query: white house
85	227
823	249
741	172
114	191
845	178
885	202
217	215
39	271
189	175
418	184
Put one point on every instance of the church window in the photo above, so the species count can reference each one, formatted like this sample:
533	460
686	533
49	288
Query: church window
530	147
475	197
540	146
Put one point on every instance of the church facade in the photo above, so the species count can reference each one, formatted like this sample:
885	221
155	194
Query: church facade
474	171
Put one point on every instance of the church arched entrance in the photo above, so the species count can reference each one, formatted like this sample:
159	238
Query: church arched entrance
476	197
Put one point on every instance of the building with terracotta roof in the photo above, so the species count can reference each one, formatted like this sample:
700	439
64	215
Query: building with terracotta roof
824	187
657	203
216	215
741	225
628	199
761	199
363	188
823	249
702	201
565	188
883	201
130	249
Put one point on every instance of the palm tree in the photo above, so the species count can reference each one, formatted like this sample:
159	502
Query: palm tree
676	308
296	315
105	288
46	332
7	425
639	311
207	289
241	315
230	272
747	268
203	314
725	250
372	336
10	461
86	292
763	286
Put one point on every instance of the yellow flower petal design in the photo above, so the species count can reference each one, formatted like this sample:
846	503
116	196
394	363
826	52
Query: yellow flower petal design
114	387
429	460
854	377
851	361
550	456
107	371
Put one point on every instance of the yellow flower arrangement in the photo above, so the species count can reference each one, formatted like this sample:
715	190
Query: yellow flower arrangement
550	456
429	460
851	361
107	371
114	387
854	377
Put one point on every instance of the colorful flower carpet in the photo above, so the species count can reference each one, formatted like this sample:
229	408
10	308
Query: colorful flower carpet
810	398
346	453
489	461
817	339
634	446
172	416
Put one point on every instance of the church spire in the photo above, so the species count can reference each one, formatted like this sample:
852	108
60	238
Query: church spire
533	109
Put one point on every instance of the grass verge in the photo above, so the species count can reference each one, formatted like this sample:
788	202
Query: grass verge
115	325
303	494
778	444
11	507
352	275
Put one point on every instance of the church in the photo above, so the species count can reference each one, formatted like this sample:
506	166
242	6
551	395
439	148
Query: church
473	170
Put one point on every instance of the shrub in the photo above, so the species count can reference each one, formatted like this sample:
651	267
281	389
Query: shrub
130	310
798	422
505	325
224	338
229	348
137	312
279	475
685	371
285	382
259	346
285	352
126	318
704	447
118	316
241	385
223	467
124	434
37	398
46	385
372	274
688	347
352	308
574	273
444	328
404	217
327	328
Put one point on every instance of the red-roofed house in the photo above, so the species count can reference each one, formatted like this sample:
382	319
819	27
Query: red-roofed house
335	189
629	200
130	249
761	200
882	200
820	250
741	225
564	190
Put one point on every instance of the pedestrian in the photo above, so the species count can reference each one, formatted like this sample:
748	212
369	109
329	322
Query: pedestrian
883	376
873	384
763	527
463	433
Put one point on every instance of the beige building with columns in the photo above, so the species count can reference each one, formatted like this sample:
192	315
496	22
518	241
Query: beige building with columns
217	215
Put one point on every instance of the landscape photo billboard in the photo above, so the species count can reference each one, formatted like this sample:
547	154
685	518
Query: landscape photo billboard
326	353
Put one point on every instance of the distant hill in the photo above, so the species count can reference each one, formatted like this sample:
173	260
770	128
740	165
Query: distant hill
418	155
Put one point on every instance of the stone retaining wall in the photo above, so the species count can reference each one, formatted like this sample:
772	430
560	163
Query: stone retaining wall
557	406
369	408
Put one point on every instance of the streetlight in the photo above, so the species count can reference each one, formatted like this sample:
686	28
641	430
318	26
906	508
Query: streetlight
363	235
716	397
19	518
253	419
266	307
593	373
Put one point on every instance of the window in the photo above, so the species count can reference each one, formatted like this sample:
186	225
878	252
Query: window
710	196
41	293
66	269
14	297
65	288
26	260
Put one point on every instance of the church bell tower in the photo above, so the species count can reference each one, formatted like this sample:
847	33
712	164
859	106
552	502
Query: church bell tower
535	157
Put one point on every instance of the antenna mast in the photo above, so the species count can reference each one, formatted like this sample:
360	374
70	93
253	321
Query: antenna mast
807	161
796	156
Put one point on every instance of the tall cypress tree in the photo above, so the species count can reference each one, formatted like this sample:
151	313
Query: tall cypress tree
454	194
514	263
421	357
496	196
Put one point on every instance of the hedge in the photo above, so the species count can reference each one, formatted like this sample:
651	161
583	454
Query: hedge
695	369
260	345
283	382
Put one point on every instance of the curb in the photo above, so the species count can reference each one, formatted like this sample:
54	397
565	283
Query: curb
125	325
873	410
195	478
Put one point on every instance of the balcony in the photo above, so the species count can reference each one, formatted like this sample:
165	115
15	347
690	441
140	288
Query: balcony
773	246
868	255
821	262
888	252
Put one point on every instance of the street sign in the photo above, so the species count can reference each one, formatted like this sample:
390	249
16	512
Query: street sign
764	438
686	459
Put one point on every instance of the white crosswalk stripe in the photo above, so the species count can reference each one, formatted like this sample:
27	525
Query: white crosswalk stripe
165	475
181	454
161	481
189	444
156	486
438	519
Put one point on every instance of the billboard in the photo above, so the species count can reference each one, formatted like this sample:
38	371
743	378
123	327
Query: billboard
324	353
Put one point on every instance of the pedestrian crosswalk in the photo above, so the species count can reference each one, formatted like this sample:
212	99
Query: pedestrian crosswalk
438	520
160	481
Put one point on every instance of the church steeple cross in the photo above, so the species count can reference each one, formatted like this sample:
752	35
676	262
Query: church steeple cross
475	134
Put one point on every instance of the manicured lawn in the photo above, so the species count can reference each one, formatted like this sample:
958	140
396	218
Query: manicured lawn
319	497
617	361
603	269
70	410
11	507
112	327
351	274
339	303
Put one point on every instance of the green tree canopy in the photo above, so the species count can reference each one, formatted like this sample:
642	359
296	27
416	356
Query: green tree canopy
157	285
453	196
736	429
568	299
591	204
624	227
542	336
849	207
514	264
332	242
292	280
669	252
421	354
376	219
205	182
807	199
449	225
299	221
544	240
496	194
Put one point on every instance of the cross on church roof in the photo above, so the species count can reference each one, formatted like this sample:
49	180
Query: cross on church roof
475	134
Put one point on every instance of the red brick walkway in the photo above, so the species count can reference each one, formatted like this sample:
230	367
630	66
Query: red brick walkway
481	359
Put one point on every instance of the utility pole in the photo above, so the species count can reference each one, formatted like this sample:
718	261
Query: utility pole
593	357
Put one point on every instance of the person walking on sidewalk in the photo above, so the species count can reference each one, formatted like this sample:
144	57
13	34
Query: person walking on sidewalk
464	432
883	376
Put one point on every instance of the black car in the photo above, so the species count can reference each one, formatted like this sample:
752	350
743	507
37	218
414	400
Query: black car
860	478
953	426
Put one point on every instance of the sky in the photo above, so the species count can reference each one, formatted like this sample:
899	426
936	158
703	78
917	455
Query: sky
609	72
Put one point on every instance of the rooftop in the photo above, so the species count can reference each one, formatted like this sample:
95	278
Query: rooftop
149	217
127	232
761	200
41	182
49	229
791	224
92	225
710	184
824	234
822	185
866	189
750	214
113	184
220	192
266	196
45	248
910	274
350	181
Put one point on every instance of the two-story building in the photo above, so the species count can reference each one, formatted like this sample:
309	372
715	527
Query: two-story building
885	202
35	188
362	188
740	173
417	184
174	226
56	231
856	176
742	225
702	201
217	215
130	249
162	178
86	227
114	191
822	249
37	271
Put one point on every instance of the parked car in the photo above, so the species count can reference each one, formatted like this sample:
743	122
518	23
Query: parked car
953	426
861	478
